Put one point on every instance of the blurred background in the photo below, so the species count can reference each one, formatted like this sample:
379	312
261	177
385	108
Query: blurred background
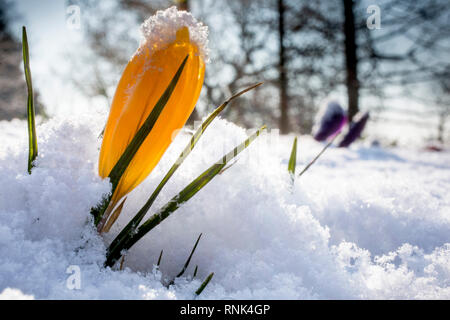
389	57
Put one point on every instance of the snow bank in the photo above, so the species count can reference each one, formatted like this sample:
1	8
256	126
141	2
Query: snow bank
14	294
362	223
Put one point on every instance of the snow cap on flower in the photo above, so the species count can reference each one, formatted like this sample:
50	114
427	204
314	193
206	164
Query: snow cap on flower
330	120
160	30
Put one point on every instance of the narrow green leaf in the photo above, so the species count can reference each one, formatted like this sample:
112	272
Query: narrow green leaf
186	265
32	138
134	223
126	242
122	164
293	159
159	259
195	271
317	156
204	284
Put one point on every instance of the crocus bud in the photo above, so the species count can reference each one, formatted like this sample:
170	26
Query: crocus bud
355	130
330	120
168	37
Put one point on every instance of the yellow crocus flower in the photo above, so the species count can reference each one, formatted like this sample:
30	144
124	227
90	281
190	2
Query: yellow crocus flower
144	80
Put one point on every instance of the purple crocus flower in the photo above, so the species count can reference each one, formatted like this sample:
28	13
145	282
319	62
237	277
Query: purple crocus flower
356	128
331	119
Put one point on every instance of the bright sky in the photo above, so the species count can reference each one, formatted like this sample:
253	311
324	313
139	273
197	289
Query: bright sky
50	38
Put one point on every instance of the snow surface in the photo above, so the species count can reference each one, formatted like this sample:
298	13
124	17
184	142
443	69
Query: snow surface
362	223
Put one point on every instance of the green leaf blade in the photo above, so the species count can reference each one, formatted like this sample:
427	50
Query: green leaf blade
186	265
204	284
159	259
32	137
195	271
293	158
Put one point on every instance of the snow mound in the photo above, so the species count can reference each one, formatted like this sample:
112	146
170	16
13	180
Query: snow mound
160	29
363	223
14	294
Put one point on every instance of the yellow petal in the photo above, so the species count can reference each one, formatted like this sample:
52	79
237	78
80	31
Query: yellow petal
143	82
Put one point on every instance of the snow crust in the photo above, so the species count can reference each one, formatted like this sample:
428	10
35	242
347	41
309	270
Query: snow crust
362	223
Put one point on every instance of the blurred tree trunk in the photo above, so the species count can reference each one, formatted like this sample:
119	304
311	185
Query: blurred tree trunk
444	113
351	59
284	119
